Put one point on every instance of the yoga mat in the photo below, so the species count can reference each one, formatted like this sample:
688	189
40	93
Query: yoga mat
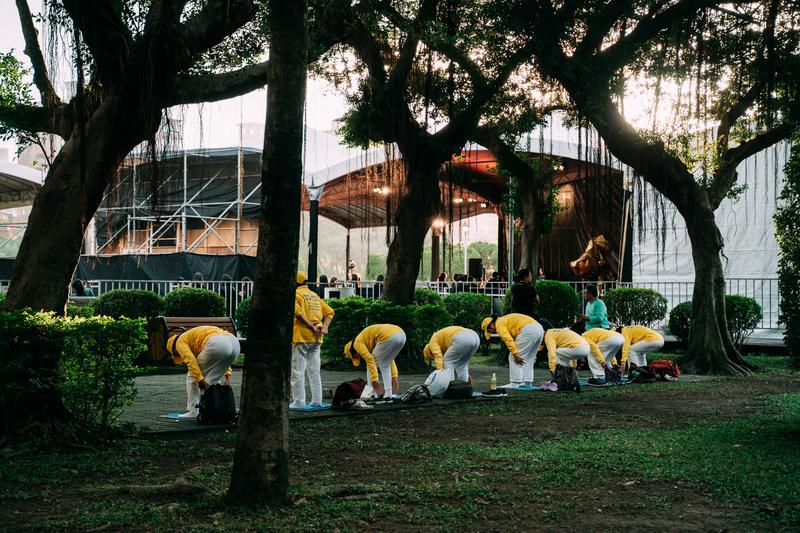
175	417
477	394
309	408
526	388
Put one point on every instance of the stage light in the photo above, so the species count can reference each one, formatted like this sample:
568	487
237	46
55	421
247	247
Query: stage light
483	204
457	200
438	223
382	190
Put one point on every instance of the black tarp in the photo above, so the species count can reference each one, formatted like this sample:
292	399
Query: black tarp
157	267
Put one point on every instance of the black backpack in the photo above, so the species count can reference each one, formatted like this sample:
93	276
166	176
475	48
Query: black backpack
417	394
217	405
347	392
613	375
566	378
458	390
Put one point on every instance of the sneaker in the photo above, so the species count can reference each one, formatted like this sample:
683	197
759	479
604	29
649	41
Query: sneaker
189	414
297	405
360	404
597	382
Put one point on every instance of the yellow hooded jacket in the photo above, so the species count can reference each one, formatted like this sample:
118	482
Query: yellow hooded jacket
440	342
594	337
314	309
560	338
509	326
365	343
189	345
634	334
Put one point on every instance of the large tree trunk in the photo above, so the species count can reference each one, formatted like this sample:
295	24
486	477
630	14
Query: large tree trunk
531	228
710	349
261	464
415	214
70	196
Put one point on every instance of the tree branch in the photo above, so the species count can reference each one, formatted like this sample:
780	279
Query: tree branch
163	13
106	35
41	78
36	119
399	75
215	22
194	89
734	113
726	175
491	138
600	25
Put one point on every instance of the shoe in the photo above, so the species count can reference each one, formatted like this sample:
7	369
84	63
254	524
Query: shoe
511	385
297	405
597	382
360	404
188	415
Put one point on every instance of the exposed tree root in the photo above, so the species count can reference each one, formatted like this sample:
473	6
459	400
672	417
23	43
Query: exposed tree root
180	488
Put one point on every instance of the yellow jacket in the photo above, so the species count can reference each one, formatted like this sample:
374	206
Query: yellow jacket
634	334
314	309
365	343
594	337
440	342
509	326
190	344
560	338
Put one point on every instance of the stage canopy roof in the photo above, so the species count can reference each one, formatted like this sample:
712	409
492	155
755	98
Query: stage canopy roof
18	185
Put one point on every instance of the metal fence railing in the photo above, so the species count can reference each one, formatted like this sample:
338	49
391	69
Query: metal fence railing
763	290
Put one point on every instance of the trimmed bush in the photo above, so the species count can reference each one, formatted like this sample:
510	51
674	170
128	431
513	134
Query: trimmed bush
130	303
97	367
627	306
355	313
426	297
742	313
468	308
243	316
558	302
79	311
192	301
2	299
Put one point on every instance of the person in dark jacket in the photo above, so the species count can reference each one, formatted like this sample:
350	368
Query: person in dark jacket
523	294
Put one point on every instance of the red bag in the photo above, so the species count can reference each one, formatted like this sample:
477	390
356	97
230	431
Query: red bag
347	392
664	367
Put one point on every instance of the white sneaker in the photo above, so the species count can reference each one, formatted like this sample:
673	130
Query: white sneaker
189	414
297	405
511	385
360	404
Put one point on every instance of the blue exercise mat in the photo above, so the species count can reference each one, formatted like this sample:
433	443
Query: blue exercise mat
309	408
176	417
526	388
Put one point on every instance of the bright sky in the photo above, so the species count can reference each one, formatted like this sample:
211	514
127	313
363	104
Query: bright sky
323	106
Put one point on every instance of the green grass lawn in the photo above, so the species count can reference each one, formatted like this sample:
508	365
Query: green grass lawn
710	455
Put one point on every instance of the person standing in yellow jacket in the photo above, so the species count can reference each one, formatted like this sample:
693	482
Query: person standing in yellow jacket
452	347
522	335
312	317
378	345
639	341
207	352
608	343
565	346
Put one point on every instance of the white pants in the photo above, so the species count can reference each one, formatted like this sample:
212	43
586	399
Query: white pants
610	347
639	350
527	342
384	354
217	356
462	348
565	356
305	357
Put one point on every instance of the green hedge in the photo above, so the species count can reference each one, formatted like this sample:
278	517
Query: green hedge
87	361
130	303
427	297
468	308
558	302
742	314
627	306
355	313
191	301
243	316
787	233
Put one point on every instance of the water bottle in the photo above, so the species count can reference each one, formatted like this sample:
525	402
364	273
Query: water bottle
493	383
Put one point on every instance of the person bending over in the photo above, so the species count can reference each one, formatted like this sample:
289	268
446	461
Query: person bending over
312	316
564	347
378	345
207	352
605	341
522	335
639	341
452	347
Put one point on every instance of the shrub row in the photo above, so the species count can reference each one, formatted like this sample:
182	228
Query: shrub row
742	314
90	361
134	303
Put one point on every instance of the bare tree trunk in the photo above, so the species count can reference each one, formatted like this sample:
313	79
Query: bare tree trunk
415	214
261	464
50	251
531	227
710	349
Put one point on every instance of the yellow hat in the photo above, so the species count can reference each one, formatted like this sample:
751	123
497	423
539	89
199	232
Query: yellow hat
355	358
485	327
302	277
427	352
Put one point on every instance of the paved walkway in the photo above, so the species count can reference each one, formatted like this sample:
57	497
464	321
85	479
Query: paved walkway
166	393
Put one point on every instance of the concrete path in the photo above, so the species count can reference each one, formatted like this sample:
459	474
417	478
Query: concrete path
166	393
